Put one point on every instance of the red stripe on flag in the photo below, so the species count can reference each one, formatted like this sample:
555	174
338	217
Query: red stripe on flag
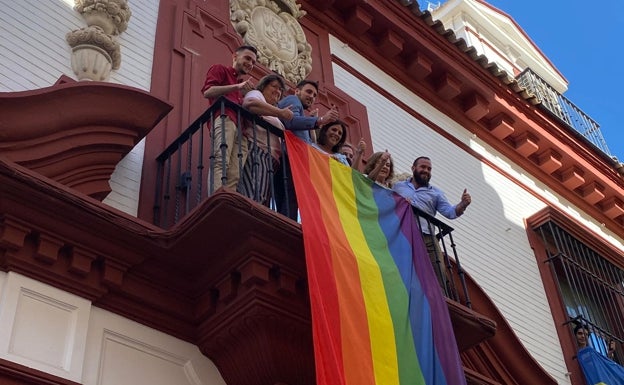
342	344
323	295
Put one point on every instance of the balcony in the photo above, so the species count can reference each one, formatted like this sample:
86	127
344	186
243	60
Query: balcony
185	181
182	185
563	109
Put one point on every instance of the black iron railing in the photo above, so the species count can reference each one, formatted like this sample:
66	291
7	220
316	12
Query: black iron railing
591	287
601	339
563	109
185	178
442	250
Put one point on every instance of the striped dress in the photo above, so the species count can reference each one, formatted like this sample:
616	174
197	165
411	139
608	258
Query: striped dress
258	171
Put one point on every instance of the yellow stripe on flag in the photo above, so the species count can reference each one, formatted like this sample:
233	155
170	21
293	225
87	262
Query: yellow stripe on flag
381	329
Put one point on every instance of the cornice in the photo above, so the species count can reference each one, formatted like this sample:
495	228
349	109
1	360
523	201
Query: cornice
76	132
230	265
12	373
428	59
574	227
492	18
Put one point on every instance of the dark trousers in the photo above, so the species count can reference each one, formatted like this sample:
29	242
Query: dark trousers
285	199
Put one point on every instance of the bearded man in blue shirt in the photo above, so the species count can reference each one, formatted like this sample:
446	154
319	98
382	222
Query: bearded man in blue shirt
431	200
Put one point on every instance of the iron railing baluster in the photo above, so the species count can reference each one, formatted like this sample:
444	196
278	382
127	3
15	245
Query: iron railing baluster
162	203
589	284
562	108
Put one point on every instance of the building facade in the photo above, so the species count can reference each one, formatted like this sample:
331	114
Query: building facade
94	292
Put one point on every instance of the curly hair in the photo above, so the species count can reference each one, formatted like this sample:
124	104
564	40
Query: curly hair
372	162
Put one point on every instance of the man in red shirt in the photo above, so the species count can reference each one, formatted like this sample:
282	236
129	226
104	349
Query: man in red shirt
226	81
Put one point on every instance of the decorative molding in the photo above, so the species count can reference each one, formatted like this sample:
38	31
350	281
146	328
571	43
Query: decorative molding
12	373
43	327
95	52
110	15
358	20
164	365
81	146
593	192
501	126
272	28
246	307
476	107
549	161
526	144
448	86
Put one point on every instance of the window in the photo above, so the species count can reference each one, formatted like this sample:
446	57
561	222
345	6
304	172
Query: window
584	281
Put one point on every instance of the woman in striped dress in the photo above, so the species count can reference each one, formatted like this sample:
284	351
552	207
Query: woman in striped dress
264	148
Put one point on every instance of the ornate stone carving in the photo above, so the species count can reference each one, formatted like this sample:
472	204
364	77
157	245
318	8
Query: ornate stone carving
94	48
94	53
110	15
272	27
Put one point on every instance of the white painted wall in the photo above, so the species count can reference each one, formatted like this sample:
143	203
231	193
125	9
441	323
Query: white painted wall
497	37
59	333
35	55
491	236
42	327
137	49
120	351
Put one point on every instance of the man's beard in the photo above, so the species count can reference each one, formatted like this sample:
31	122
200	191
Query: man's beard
421	181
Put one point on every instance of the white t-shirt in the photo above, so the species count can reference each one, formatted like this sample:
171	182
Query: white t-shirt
262	136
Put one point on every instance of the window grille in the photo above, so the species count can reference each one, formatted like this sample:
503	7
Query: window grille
592	288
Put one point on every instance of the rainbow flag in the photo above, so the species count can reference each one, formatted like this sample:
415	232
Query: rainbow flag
378	314
598	369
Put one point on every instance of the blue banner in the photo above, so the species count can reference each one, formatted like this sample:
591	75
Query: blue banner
598	369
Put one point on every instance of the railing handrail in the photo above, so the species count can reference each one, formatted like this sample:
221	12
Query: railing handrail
223	103
182	177
445	228
444	255
208	115
568	101
588	128
258	120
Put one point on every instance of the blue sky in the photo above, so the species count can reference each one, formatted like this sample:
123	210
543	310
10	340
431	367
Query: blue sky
583	40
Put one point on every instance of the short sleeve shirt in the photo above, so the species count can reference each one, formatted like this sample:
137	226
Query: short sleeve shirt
262	137
220	75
